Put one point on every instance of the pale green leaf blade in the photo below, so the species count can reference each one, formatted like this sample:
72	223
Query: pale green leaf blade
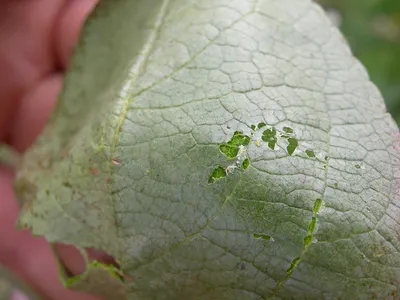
135	167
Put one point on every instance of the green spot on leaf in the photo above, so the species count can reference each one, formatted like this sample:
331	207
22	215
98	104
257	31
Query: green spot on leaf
262	236
308	240
293	266
317	206
246	164
310	153
253	127
287	129
217	174
293	143
358	166
261	125
313	224
326	158
336	185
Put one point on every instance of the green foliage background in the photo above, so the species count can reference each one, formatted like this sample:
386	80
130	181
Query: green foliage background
372	28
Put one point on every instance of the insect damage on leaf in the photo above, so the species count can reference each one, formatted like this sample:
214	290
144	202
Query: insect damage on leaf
237	147
293	266
172	80
307	241
293	143
217	174
233	148
270	137
310	153
246	164
287	129
263	236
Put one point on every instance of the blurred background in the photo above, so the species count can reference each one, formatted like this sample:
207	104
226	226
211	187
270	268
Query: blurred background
372	27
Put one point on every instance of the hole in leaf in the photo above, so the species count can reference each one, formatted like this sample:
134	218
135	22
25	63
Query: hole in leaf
313	224
271	145
262	236
308	240
287	129
293	266
217	174
229	151
269	136
310	153
239	139
317	206
83	271
74	262
293	143
246	164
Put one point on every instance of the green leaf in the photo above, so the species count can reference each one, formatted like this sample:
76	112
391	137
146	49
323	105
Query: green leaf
154	90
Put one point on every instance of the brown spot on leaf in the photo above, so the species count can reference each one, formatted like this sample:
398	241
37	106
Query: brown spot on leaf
127	277
116	162
26	193
94	171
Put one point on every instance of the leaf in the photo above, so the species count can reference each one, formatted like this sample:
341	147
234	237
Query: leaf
124	166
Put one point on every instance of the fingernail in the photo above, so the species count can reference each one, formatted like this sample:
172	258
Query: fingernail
18	295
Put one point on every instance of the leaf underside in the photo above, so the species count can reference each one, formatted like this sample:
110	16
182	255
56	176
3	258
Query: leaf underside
155	88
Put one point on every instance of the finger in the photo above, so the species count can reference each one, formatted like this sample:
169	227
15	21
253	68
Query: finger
30	258
26	51
38	102
69	27
17	295
34	111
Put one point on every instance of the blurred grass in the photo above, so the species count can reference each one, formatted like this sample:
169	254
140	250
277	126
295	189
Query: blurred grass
372	27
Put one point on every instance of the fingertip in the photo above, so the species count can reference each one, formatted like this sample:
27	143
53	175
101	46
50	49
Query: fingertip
69	28
18	295
34	111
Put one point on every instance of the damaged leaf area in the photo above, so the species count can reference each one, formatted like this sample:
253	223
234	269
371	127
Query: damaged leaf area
219	150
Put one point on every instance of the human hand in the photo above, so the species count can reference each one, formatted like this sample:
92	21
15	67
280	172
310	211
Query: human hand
36	40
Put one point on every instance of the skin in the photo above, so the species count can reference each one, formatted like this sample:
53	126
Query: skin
37	37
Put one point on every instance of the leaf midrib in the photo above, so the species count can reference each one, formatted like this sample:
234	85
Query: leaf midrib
130	82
